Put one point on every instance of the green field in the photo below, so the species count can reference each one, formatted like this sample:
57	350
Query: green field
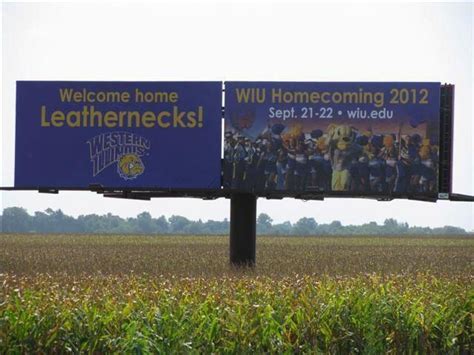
97	293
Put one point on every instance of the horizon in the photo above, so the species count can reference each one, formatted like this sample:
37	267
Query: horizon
226	220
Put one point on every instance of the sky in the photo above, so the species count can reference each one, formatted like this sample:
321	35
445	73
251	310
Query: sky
292	41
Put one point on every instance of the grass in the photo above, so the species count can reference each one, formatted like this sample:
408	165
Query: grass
139	294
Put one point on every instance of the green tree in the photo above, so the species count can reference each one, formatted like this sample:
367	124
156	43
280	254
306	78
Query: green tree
161	225
390	226
178	224
41	222
285	228
145	223
92	223
16	220
305	226
264	224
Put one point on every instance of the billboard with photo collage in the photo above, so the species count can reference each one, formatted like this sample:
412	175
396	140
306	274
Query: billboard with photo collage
354	138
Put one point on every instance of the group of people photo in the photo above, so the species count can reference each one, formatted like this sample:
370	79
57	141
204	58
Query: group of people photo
338	158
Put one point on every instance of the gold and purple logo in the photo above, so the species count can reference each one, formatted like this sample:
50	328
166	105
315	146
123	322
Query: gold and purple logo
122	148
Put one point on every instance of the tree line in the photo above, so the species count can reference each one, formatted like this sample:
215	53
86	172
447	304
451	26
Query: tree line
18	220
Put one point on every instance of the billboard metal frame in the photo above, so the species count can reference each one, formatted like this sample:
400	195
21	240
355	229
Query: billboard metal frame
243	203
444	182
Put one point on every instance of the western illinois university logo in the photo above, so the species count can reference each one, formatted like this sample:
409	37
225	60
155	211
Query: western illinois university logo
122	148
130	166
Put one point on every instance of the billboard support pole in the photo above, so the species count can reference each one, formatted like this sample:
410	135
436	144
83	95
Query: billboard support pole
243	225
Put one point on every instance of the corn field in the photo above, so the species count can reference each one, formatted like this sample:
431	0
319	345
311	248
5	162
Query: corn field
150	294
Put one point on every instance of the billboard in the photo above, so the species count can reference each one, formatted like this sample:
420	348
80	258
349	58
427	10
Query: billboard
118	134
349	138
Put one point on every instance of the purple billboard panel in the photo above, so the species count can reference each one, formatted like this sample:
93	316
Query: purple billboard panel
156	135
336	137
